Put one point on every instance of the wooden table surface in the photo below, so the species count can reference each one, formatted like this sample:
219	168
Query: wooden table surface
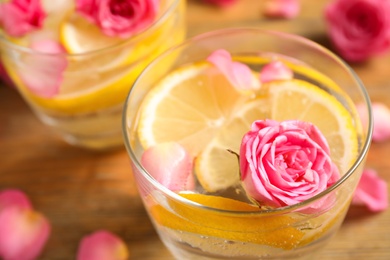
82	191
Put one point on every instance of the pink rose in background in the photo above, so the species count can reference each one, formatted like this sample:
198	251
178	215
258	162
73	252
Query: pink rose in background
381	120
122	18
221	3
359	29
19	17
285	163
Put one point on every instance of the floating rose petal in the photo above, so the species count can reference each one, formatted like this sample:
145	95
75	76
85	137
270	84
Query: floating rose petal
102	245
282	8
275	70
239	74
14	198
371	192
171	165
42	71
381	116
23	233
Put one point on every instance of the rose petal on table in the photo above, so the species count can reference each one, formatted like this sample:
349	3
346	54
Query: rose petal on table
371	192
381	117
102	245
23	233
14	198
42	72
282	8
275	70
239	74
171	165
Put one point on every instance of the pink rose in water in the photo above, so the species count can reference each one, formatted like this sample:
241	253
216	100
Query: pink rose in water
19	17
359	29
122	18
286	163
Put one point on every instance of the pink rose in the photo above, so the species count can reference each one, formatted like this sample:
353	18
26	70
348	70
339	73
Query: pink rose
18	17
287	9
359	28
122	18
222	3
285	163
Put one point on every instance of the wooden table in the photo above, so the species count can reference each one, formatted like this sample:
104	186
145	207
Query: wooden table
82	191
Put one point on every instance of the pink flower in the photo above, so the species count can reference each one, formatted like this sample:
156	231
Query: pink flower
102	245
282	8
123	18
381	117
19	17
275	70
221	3
42	73
23	233
371	192
285	163
239	74
171	165
359	29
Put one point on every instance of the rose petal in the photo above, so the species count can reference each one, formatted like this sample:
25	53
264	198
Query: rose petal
23	233
381	117
102	245
42	72
371	192
275	70
239	74
282	8
19	17
171	165
14	198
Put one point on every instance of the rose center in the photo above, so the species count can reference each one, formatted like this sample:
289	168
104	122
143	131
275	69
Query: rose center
364	18
121	8
296	164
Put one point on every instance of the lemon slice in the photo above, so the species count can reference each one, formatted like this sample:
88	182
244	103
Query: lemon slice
195	225
189	106
218	169
297	99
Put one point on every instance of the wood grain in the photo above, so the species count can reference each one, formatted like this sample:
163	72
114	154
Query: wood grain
82	191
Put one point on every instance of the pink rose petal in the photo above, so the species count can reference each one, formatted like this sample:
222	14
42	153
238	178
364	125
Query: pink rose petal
102	245
14	198
275	70
239	74
371	192
23	233
19	17
171	165
43	72
381	116
282	8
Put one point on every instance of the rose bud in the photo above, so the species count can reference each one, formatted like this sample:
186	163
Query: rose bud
286	163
